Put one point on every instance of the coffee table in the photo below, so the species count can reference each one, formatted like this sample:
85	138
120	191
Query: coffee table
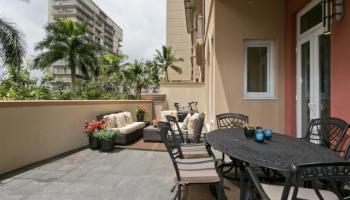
151	134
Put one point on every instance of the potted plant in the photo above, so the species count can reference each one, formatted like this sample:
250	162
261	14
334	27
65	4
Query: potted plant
92	127
140	113
106	138
249	130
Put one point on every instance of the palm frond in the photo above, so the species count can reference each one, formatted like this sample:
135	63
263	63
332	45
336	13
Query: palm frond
176	68
12	46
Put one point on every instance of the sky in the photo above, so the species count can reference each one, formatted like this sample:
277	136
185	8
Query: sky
143	22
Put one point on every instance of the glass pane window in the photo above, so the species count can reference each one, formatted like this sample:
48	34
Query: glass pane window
259	78
257	69
310	19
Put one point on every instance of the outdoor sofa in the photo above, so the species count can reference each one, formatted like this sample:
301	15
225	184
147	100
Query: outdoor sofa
128	130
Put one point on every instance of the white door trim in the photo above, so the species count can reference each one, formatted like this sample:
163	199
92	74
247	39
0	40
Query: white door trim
312	35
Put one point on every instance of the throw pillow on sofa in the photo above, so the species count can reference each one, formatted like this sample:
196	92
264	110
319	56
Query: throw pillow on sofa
110	121
164	113
192	123
120	120
186	121
128	117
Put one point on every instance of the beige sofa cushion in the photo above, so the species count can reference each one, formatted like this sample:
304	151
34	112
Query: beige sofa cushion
186	121
193	121
198	173
128	117
164	113
110	121
130	128
120	120
275	193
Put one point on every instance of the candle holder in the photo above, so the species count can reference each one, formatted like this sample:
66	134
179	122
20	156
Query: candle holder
259	136
268	134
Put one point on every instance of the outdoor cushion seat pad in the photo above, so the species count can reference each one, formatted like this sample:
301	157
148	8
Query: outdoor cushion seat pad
190	152
275	193
198	173
130	128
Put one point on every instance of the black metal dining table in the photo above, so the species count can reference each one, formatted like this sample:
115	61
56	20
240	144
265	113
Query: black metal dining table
279	153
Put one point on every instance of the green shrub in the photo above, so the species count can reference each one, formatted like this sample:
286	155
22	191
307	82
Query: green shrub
106	135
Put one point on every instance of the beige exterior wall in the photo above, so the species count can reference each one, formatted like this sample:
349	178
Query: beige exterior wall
236	21
178	38
183	93
34	131
210	63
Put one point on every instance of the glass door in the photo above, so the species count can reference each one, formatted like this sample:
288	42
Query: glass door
313	79
313	67
305	83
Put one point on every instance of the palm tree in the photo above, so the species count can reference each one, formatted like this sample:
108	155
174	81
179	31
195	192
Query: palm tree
12	48
165	59
110	69
137	74
68	41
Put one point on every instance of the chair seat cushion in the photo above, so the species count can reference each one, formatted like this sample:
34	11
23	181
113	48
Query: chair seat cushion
130	128
194	151
275	193
198	173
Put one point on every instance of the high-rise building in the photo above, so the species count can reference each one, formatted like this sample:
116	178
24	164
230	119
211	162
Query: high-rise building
100	29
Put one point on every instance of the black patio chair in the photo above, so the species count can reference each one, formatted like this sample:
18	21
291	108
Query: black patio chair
198	150
317	174
328	132
346	155
189	138
231	120
176	127
190	171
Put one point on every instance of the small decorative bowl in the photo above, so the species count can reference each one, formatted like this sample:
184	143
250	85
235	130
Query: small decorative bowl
249	133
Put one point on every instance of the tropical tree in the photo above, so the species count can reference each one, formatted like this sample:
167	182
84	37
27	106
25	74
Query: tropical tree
12	48
137	75
166	59
110	70
68	41
153	72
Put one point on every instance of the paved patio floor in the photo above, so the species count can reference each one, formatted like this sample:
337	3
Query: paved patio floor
87	174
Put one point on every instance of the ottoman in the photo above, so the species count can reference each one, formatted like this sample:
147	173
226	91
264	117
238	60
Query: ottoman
151	134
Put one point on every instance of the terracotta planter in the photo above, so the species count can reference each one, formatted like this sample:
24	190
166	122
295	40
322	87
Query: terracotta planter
94	143
140	116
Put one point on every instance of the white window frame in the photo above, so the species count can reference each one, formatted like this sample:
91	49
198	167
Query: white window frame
270	94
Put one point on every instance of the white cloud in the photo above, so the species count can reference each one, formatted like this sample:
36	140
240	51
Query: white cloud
143	22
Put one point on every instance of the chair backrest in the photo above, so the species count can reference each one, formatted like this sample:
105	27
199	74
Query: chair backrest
198	129
231	120
171	143
175	126
346	155
316	173
328	132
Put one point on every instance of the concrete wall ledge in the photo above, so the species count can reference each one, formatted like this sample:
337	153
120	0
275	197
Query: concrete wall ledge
181	82
32	131
68	102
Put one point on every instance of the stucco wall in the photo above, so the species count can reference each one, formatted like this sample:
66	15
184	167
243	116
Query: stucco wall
34	131
340	82
292	9
183	93
235	21
178	38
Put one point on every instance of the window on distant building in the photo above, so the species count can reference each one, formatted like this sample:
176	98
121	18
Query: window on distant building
259	69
